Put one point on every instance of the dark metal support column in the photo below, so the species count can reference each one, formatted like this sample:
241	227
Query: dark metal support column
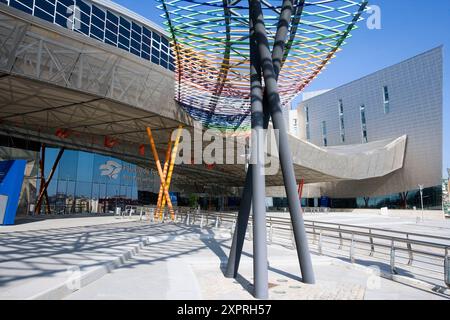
244	211
37	209
241	226
52	172
273	100
260	267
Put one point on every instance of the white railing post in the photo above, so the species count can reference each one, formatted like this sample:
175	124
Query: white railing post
352	249
410	252
271	232
320	243
447	268
232	227
372	246
392	263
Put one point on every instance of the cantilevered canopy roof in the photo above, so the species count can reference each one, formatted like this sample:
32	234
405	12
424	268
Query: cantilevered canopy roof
211	43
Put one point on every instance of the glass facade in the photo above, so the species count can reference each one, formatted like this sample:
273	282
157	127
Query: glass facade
324	134
341	121
103	25
362	110
307	127
83	178
386	99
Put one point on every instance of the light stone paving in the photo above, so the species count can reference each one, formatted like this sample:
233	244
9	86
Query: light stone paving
178	262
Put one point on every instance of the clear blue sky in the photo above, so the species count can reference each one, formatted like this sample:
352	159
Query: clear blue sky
408	27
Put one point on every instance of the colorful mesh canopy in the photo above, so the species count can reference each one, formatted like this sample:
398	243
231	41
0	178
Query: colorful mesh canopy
210	43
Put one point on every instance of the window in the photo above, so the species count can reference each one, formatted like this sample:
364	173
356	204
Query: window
362	109
112	28
98	23
82	17
124	34
324	134
171	61
295	126
341	121
64	13
95	21
146	43
136	39
23	5
45	9
386	99
156	47
308	133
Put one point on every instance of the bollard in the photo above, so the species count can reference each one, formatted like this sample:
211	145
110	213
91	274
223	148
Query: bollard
187	219
217	222
201	222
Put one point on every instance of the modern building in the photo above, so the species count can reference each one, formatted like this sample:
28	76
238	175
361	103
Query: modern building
91	76
402	100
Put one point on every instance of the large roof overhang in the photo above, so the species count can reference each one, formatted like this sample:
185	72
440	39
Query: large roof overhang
54	81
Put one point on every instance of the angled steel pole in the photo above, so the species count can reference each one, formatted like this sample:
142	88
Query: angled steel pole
241	226
245	207
260	268
273	100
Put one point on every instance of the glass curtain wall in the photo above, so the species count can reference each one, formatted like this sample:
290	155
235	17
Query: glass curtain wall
87	182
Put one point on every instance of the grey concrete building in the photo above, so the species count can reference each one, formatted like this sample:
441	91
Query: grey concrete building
404	99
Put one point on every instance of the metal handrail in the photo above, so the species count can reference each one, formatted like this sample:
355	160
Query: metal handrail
343	233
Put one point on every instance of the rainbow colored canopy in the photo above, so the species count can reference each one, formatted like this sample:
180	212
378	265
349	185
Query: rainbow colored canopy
210	43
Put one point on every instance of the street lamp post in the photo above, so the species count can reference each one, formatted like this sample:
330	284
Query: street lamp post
421	197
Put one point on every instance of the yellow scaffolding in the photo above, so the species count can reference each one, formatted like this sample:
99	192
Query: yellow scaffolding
166	167
160	170
169	174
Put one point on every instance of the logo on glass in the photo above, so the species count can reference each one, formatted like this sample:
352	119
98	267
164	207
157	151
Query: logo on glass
111	169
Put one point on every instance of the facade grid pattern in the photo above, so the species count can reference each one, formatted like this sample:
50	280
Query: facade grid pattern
103	25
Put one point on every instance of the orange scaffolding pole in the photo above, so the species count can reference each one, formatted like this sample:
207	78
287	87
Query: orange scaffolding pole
300	189
161	197
160	170
172	164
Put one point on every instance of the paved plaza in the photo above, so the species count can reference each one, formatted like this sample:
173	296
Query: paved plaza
114	258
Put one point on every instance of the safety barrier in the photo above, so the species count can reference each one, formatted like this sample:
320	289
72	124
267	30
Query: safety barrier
424	257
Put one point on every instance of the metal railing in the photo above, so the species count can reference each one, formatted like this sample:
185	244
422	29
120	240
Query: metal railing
423	257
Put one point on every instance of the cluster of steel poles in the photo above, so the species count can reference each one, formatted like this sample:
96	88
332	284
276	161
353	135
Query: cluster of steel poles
265	104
